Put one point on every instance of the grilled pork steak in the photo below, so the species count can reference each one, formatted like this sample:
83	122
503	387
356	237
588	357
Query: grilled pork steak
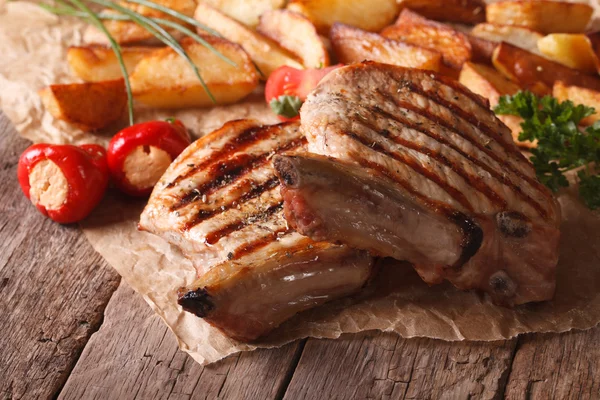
444	186
220	203
249	296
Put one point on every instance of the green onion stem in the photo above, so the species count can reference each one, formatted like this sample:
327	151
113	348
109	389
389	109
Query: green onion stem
196	37
93	18
175	14
159	32
119	17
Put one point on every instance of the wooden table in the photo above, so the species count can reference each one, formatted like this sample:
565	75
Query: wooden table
69	329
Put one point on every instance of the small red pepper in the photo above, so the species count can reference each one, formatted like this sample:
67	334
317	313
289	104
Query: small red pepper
64	182
140	154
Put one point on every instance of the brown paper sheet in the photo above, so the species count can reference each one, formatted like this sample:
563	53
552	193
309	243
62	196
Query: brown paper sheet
33	50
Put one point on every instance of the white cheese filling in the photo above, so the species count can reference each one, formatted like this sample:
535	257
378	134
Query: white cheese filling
145	165
48	185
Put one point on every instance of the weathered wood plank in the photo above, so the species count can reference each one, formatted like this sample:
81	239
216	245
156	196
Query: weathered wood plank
384	366
559	366
53	288
135	356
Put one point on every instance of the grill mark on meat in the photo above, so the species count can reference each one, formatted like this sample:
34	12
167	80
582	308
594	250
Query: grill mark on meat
227	172
502	178
471	179
442	122
452	191
214	236
469	117
239	143
256	191
483	102
259	243
432	204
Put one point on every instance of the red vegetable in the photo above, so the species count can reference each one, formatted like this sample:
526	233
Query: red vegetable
64	182
287	88
141	153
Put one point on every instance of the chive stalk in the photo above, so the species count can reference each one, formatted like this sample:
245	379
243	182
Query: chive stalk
93	18
160	33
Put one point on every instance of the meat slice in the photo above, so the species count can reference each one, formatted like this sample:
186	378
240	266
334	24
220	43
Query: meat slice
249	296
441	159
328	199
220	203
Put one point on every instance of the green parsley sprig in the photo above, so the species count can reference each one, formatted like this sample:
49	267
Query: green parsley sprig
561	145
286	106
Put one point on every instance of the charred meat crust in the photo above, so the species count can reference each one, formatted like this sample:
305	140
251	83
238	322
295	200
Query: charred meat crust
197	301
513	224
472	236
285	171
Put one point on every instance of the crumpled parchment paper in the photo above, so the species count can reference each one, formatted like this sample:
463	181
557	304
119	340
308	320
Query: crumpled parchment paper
33	47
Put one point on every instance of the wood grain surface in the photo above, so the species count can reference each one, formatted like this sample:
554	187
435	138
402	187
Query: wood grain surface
53	288
55	292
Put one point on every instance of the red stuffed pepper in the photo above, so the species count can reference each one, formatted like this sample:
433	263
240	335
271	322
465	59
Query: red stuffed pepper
64	182
140	154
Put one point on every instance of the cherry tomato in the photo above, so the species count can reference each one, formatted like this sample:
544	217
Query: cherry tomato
288	81
64	182
140	154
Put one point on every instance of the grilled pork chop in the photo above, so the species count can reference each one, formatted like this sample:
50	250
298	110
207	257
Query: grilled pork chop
444	186
220	203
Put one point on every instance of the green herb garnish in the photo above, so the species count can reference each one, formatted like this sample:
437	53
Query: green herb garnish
286	106
561	145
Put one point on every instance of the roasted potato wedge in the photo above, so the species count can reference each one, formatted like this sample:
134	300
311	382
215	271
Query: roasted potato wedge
99	63
370	15
352	45
89	106
544	16
459	11
412	28
246	12
594	38
295	33
538	73
163	79
490	84
579	95
524	38
266	53
570	49
127	32
482	50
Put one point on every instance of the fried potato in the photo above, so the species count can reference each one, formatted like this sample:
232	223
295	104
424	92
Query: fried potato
370	15
570	49
295	33
99	63
538	73
579	95
245	11
524	38
594	38
544	16
89	106
266	53
481	49
127	32
490	84
412	28
352	45
163	79
460	11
